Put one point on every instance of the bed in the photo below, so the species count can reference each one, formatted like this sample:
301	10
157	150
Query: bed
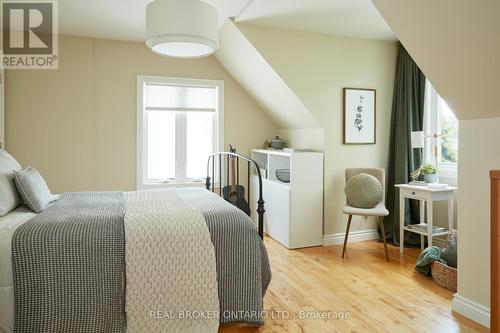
176	260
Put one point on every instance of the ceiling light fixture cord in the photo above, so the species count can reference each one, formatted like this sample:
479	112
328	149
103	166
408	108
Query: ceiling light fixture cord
242	10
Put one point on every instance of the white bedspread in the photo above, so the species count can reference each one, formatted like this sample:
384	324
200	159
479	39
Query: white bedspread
170	266
8	224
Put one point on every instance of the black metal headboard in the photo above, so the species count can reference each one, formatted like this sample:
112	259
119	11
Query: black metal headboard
250	163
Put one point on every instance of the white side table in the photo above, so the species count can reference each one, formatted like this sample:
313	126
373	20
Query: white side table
426	196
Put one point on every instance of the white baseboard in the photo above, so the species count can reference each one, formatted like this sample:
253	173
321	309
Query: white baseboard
354	236
470	309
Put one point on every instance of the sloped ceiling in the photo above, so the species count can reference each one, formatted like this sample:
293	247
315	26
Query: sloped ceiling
353	18
456	43
260	80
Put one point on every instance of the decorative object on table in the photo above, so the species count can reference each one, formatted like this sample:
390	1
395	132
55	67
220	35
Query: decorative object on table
363	191
235	193
266	145
283	175
418	142
359	116
429	172
379	211
414	175
277	143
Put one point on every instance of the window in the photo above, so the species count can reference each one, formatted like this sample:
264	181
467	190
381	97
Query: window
179	126
440	120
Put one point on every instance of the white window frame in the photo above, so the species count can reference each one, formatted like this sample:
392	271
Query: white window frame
432	121
142	80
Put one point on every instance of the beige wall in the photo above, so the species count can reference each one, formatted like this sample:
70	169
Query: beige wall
479	154
317	67
457	48
309	138
77	124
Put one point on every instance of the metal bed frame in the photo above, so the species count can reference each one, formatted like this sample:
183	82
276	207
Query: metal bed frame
250	163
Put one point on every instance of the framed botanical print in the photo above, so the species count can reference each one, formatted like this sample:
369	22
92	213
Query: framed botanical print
359	116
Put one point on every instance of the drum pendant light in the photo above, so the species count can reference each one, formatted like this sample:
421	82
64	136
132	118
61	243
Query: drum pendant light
182	28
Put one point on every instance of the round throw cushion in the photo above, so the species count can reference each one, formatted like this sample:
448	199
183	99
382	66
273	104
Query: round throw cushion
363	191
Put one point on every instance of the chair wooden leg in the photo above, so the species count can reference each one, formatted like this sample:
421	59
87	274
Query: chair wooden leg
346	235
382	231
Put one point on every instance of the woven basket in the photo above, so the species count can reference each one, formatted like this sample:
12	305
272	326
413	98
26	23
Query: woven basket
444	275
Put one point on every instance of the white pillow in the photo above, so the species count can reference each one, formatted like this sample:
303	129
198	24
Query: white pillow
9	196
33	189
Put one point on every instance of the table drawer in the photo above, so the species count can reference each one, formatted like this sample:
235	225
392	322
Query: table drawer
414	194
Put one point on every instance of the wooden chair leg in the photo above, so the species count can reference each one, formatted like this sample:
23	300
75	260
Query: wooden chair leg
346	235
382	231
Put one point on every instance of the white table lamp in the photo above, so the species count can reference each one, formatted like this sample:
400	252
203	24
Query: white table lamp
417	139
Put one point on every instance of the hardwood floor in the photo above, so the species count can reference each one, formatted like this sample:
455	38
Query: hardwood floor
376	295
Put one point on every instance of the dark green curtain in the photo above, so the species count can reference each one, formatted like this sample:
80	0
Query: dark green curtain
407	116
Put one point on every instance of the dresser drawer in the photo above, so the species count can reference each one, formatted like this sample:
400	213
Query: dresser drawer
414	194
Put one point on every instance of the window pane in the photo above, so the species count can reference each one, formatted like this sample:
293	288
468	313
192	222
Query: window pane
199	143
160	145
169	96
449	133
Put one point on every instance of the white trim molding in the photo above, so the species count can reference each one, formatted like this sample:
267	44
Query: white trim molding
470	309
142	80
354	236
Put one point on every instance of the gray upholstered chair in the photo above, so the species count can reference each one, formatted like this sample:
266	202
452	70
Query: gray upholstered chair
378	211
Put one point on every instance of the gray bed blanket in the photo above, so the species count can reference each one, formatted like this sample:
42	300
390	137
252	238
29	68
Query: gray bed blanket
243	270
68	266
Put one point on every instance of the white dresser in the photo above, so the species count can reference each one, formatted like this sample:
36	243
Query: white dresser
294	211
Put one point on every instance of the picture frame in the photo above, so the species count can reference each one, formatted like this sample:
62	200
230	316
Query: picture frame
360	116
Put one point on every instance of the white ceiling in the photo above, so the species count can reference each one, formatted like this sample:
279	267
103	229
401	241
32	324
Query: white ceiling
356	18
120	19
125	19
